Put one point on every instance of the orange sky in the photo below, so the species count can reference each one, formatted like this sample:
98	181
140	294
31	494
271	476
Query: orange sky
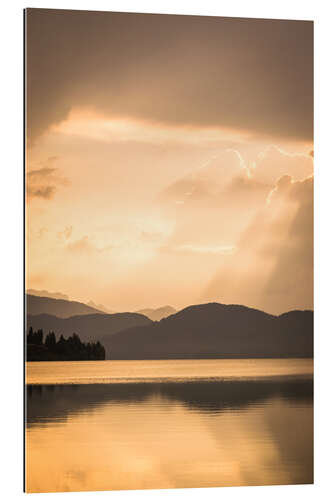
169	159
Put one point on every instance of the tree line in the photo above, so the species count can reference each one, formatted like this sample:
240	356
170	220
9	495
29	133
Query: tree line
70	349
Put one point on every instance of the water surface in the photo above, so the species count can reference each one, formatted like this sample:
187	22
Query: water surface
165	424
91	372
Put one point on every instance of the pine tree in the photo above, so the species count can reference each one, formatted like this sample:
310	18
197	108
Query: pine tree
50	341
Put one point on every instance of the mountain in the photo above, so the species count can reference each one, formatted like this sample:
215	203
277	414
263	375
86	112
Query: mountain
46	293
89	327
217	331
201	331
157	314
57	307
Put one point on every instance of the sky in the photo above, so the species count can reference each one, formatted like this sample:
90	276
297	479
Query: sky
169	159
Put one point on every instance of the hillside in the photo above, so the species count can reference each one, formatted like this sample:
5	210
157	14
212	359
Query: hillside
57	307
89	327
217	331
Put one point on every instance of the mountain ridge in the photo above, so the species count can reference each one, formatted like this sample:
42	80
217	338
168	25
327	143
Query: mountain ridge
58	307
211	330
217	330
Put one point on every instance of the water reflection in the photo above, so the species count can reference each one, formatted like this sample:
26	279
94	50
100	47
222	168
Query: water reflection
166	435
49	402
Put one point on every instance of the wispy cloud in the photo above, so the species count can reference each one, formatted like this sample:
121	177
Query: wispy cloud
66	233
191	248
85	246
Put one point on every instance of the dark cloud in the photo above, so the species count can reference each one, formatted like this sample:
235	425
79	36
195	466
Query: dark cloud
41	173
45	192
43	182
182	70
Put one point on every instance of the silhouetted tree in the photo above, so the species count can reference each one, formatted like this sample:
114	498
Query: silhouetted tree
61	346
50	341
39	337
98	351
30	336
70	349
35	337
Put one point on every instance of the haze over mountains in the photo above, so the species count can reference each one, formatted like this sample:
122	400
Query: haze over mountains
210	330
58	304
100	307
57	307
159	313
46	293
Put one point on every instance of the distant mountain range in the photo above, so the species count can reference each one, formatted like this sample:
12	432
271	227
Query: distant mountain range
158	314
201	331
46	293
57	304
89	327
57	307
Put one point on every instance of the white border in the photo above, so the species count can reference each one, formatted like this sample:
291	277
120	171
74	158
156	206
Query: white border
12	241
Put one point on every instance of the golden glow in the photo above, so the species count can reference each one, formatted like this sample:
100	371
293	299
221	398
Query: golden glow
89	124
106	437
150	455
116	202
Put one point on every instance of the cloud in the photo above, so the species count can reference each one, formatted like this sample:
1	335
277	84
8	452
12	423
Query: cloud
41	173
66	233
85	246
81	246
151	236
273	163
259	225
273	269
91	125
209	178
214	204
42	231
291	280
45	192
232	80
192	248
43	182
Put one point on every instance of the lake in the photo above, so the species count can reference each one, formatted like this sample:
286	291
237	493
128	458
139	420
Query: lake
111	425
